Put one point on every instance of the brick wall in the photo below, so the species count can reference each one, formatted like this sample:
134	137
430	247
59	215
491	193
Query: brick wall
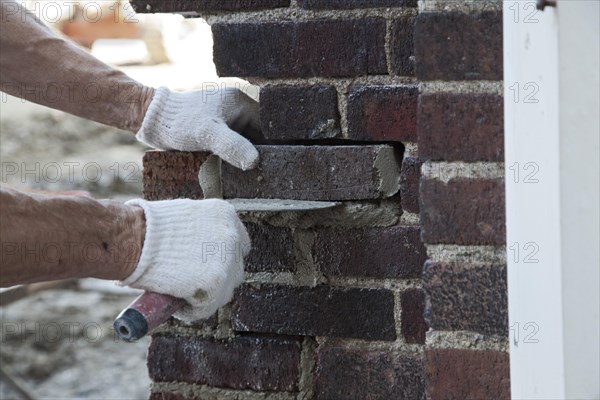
393	110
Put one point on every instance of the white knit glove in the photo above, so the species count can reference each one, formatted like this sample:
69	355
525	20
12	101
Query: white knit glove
203	121
194	250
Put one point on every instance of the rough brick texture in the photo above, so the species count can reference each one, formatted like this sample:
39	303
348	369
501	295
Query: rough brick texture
402	58
172	175
467	374
321	311
457	46
298	113
316	173
479	136
466	297
272	249
164	6
463	211
333	4
395	252
413	326
343	374
329	48
167	396
383	113
410	174
256	363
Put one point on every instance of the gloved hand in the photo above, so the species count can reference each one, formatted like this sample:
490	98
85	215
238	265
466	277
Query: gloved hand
193	249
203	121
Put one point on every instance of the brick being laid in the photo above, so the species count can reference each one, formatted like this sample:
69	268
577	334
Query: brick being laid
322	173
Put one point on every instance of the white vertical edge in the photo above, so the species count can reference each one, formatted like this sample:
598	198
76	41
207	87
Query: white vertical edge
579	48
533	209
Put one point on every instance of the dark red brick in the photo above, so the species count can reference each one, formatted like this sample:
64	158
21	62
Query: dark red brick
256	363
410	173
337	4
383	113
466	297
296	113
458	46
320	311
172	175
394	252
343	374
461	126
316	173
165	6
467	374
463	211
402	58
328	48
413	324
272	249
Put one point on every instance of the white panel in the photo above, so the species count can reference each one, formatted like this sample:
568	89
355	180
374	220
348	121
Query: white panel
579	50
532	197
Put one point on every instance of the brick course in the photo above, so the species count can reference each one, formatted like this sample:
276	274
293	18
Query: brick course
293	49
320	311
479	137
410	174
266	364
413	326
402	61
467	374
343	374
463	211
457	46
383	113
272	249
316	173
299	113
172	175
466	297
395	252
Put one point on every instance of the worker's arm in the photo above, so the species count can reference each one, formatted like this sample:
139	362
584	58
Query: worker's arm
38	65
191	249
48	238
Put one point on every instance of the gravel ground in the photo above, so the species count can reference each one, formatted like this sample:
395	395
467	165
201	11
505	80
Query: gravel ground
60	344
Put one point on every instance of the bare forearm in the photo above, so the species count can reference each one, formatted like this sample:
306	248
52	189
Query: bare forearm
38	65
57	237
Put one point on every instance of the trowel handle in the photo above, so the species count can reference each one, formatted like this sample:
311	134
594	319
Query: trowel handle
145	314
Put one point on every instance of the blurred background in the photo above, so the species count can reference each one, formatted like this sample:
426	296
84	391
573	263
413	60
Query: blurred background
58	342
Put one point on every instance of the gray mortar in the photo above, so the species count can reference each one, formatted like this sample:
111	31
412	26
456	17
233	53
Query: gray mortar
224	329
411	150
348	214
209	177
342	86
387	167
446	171
306	270
467	254
466	6
297	13
307	366
368	345
465	340
410	219
466	87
